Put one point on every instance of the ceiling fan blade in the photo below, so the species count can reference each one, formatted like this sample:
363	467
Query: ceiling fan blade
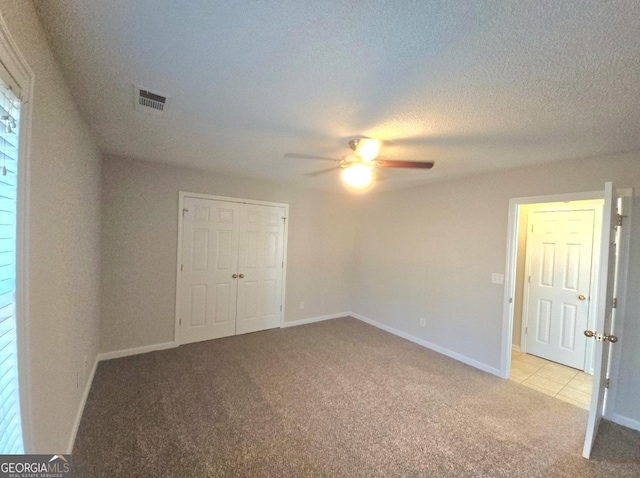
323	171
385	163
309	156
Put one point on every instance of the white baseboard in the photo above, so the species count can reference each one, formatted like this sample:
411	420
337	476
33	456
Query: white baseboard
624	421
429	345
311	320
83	402
135	351
516	348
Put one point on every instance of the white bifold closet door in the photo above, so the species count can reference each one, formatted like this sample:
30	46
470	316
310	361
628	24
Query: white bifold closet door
232	268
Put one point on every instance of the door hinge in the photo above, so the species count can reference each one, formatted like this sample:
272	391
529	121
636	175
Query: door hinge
181	267
619	223
282	263
280	308
180	322
526	330
529	279
607	382
615	303
184	211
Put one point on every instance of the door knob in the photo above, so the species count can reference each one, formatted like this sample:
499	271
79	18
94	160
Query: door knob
235	276
241	276
581	297
600	337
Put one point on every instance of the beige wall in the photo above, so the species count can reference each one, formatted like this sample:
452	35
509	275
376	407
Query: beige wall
64	247
430	252
140	232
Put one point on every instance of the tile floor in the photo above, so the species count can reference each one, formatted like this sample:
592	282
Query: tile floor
565	383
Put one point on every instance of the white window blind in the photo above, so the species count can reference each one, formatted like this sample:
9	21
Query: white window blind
10	423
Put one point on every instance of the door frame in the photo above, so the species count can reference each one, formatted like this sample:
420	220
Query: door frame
510	269
595	259
618	319
184	194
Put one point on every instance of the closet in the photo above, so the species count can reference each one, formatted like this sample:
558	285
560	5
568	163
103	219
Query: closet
231	267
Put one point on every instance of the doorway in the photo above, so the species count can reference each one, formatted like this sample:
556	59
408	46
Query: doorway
610	286
556	266
231	265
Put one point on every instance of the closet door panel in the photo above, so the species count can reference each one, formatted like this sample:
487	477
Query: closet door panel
208	290
260	265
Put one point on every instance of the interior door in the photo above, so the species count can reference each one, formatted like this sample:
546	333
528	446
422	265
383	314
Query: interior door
260	267
209	261
603	333
560	253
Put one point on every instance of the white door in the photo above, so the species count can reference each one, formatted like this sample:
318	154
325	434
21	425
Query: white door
232	268
209	261
260	264
560	253
603	332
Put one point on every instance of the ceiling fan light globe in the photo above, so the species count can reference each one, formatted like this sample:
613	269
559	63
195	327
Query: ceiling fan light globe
358	176
368	149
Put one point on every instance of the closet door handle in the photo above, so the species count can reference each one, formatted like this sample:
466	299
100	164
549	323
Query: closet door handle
241	276
235	276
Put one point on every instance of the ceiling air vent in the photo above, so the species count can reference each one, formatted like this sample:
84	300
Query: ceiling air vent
149	102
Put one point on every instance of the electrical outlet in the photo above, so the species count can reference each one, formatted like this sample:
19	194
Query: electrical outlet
423	323
302	305
497	278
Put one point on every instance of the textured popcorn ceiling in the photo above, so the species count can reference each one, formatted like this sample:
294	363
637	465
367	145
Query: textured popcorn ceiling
471	85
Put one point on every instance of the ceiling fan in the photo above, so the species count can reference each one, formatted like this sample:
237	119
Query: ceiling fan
358	167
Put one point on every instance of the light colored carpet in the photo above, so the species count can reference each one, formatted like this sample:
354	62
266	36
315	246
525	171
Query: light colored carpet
336	398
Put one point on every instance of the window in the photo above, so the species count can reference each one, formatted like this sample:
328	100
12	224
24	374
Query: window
16	91
10	419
